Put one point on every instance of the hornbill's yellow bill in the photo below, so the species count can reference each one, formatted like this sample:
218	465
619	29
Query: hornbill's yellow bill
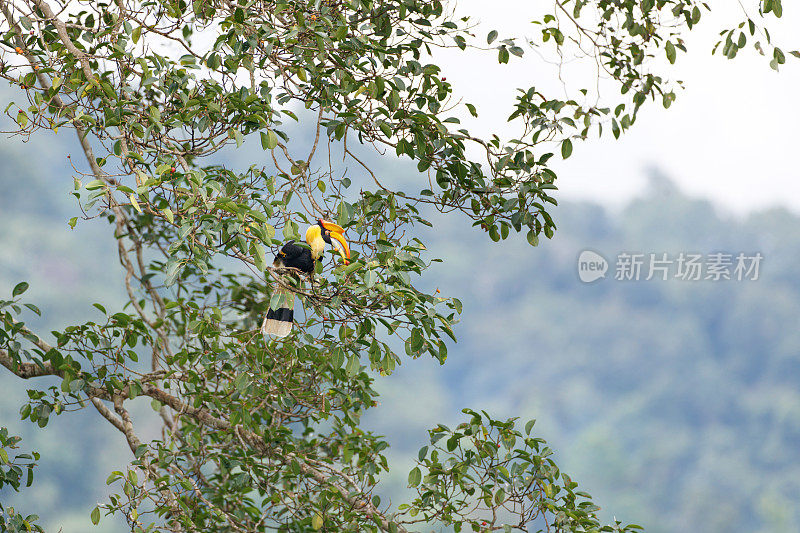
335	231
280	317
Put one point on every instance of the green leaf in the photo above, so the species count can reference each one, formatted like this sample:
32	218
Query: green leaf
529	426
96	515
416	340
566	148
491	37
134	202
20	288
422	453
533	239
414	477
317	522
615	128
340	33
502	55
671	53
259	257
269	140
353	366
169	216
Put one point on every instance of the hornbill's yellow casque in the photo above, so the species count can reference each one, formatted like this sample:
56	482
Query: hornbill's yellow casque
280	318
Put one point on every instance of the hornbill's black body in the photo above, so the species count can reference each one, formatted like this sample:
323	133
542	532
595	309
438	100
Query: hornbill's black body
292	256
295	256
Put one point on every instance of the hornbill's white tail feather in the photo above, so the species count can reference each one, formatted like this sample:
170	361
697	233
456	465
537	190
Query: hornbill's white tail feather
280	317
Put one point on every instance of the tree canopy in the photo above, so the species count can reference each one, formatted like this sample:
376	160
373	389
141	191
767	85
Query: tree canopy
264	434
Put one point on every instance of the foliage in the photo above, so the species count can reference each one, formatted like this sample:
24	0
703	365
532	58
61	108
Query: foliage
480	474
262	433
13	469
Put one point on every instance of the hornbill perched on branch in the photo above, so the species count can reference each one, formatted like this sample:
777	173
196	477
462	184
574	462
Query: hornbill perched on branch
280	316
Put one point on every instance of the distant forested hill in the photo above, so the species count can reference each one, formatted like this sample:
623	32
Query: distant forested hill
676	404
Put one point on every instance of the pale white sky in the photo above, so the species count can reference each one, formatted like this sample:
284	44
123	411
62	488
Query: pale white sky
731	136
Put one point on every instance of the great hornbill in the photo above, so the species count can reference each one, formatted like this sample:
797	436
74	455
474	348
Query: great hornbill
280	316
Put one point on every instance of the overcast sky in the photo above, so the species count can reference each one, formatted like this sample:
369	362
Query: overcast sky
731	136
